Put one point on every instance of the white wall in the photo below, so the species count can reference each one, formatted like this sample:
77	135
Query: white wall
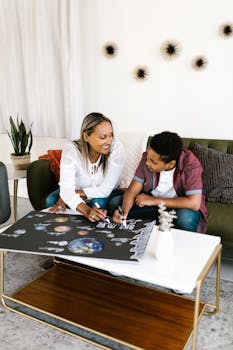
175	97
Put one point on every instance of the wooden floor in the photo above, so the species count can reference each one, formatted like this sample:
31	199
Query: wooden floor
139	316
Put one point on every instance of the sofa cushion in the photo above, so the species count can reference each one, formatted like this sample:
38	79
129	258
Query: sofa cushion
217	173
135	145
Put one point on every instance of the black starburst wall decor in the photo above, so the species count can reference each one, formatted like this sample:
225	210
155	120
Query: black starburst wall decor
226	30
199	63
141	73
170	49
110	50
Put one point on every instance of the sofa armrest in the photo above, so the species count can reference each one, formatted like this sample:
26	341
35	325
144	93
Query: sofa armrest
40	182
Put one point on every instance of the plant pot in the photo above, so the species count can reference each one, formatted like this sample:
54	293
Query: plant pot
21	162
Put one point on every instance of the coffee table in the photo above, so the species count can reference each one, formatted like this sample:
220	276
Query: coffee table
81	292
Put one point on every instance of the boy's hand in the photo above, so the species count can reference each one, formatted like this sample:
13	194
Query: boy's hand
143	200
117	217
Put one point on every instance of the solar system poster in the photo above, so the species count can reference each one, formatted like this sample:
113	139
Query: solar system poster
64	234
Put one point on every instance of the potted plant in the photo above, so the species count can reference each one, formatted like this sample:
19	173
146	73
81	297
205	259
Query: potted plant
21	140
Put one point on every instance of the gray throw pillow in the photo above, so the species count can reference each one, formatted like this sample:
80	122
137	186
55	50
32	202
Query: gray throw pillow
217	173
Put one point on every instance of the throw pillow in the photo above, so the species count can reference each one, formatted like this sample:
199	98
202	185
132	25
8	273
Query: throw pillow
217	173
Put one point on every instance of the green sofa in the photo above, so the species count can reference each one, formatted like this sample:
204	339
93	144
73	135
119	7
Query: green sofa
220	220
40	182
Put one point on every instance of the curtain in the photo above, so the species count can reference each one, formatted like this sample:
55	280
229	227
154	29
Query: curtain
40	69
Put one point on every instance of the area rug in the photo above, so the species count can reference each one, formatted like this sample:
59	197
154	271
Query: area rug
214	332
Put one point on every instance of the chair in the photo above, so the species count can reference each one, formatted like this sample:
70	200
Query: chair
40	183
5	207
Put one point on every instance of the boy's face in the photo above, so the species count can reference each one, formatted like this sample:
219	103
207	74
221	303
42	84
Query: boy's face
155	164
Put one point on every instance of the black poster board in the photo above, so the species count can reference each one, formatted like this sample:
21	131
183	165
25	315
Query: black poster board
65	234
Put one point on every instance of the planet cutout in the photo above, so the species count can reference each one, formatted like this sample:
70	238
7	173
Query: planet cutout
86	245
62	229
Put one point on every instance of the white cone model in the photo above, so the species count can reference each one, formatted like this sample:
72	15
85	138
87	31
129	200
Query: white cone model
164	245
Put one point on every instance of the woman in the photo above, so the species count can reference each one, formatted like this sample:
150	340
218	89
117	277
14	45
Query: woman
90	168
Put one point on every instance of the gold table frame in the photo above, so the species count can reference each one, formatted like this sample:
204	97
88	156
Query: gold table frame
199	307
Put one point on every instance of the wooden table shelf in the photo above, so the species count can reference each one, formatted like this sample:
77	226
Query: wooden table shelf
135	315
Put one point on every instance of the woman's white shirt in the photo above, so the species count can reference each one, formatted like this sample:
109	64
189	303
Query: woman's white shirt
75	173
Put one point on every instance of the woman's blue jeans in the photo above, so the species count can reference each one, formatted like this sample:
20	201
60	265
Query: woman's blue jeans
187	219
53	197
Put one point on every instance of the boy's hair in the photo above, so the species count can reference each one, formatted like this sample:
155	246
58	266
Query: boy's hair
168	145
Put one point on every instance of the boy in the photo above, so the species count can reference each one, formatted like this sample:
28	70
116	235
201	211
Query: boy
170	174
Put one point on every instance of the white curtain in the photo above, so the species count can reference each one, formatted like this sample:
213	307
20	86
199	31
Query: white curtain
40	70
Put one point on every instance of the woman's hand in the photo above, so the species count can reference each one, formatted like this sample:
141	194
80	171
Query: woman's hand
97	214
59	206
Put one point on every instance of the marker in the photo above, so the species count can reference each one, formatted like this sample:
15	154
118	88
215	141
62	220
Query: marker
107	220
121	213
98	206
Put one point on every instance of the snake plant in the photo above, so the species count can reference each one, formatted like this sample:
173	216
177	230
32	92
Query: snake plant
21	139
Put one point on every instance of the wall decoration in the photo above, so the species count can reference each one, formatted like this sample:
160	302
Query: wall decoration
141	73
226	30
170	49
110	49
199	63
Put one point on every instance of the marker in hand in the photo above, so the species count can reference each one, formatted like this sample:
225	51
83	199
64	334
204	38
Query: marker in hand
106	218
122	213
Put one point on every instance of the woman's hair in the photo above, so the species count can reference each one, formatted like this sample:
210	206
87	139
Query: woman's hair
88	126
168	145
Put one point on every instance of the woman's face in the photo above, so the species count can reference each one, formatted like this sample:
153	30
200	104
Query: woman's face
101	139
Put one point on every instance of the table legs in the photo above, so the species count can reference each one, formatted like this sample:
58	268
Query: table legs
216	256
